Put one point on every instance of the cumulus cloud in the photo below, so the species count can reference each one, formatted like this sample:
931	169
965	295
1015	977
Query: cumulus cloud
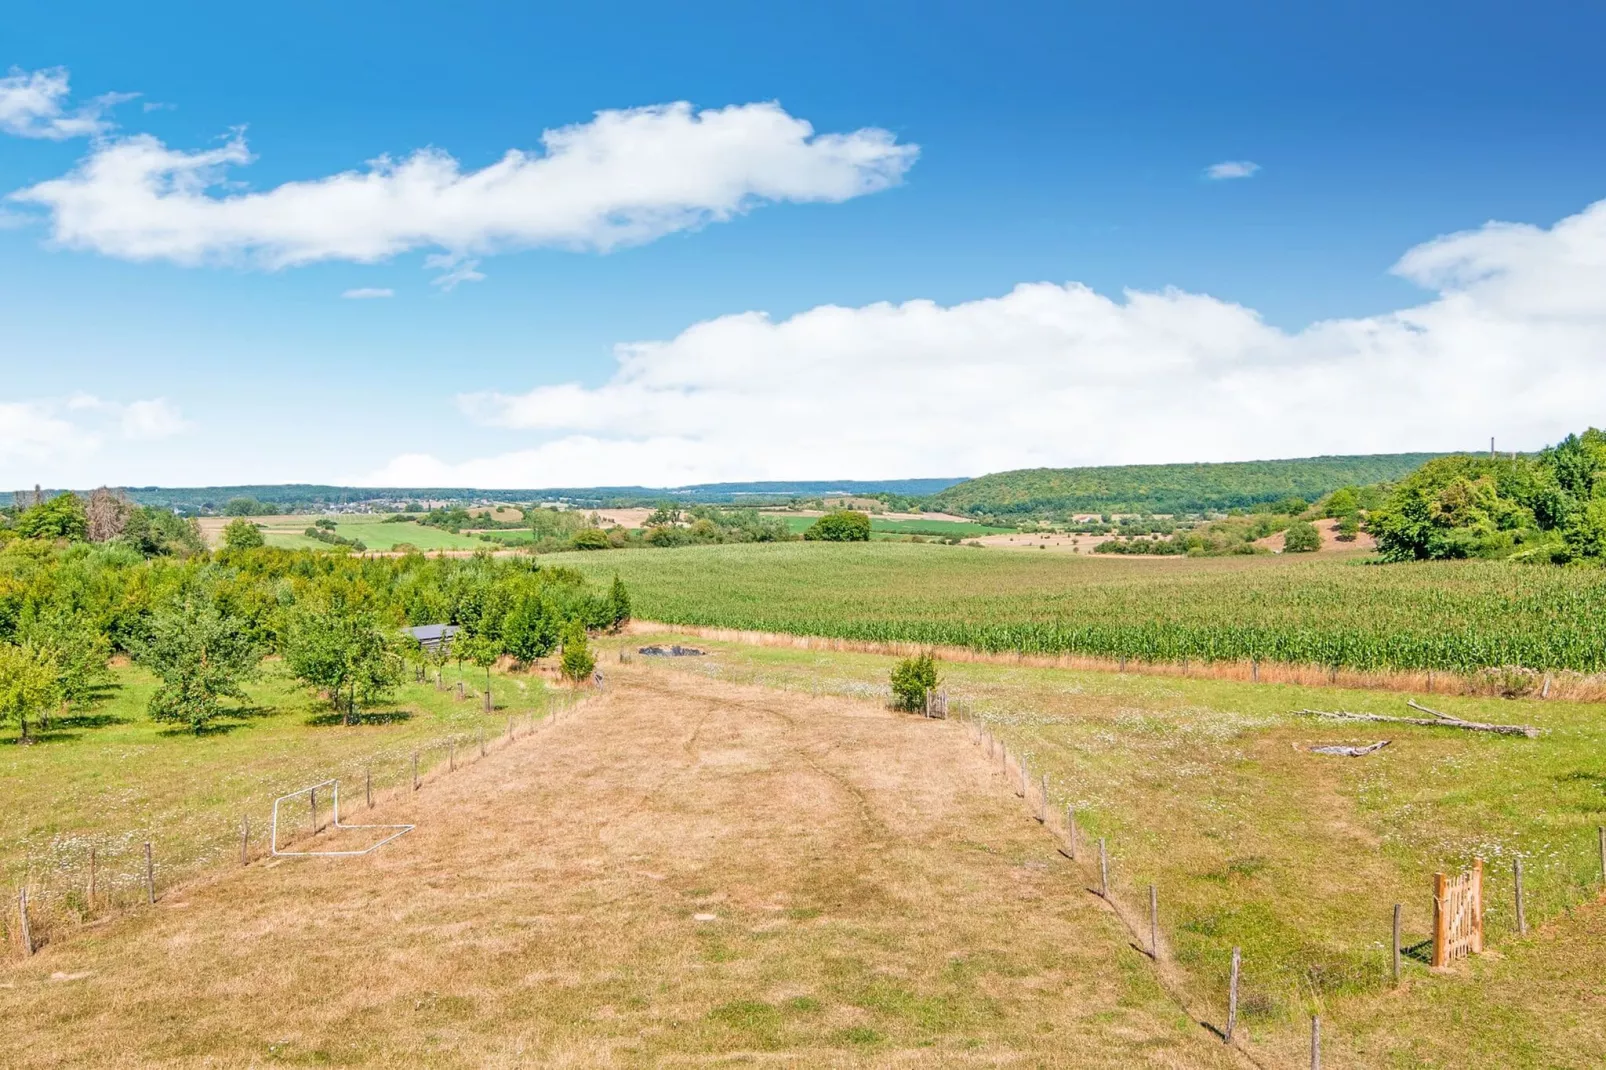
1513	343
54	429
366	293
34	104
1232	169
624	178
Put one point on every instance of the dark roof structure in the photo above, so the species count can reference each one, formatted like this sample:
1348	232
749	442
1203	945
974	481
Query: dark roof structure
431	636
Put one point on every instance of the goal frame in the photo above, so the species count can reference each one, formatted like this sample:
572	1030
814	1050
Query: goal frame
334	784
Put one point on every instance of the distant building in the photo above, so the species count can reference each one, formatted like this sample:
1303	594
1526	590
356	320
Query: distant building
434	636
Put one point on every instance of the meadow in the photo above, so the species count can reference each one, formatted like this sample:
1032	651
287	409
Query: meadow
1340	611
941	529
1209	791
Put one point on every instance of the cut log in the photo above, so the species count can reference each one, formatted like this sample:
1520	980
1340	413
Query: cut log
1441	721
1350	752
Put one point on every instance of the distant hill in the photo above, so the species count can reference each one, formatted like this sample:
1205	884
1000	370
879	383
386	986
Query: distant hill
309	496
1168	488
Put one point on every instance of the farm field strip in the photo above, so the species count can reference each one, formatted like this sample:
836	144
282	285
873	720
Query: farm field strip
1460	617
1207	789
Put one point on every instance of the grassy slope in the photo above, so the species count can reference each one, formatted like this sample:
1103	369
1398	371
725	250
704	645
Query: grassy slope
1168	488
1201	789
1426	615
111	777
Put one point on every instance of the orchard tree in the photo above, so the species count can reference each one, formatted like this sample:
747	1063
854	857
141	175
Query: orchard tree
201	657
344	652
28	685
529	632
481	652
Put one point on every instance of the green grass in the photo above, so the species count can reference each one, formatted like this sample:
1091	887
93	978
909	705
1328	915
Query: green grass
108	777
1206	789
377	535
1457	616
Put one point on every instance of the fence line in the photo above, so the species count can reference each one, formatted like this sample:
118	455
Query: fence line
122	871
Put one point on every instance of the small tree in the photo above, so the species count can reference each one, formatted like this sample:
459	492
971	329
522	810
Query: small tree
28	685
481	651
1302	538
842	525
242	534
62	517
912	679
577	664
618	603
201	657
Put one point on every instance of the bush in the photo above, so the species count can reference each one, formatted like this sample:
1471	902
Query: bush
911	679
590	539
1302	538
842	525
577	664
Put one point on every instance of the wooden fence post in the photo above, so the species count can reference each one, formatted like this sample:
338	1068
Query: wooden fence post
312	799
1104	870
1154	924
1602	832
1070	828
1441	920
1396	943
415	770
1042	803
91	878
1477	902
1024	775
1316	1042
1232	998
1522	916
150	875
1123	663
368	785
245	840
488	706
451	755
1254	670
27	933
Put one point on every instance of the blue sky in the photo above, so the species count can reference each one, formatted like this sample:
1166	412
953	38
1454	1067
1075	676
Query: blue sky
1009	144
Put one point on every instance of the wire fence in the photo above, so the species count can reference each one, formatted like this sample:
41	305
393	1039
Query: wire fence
82	877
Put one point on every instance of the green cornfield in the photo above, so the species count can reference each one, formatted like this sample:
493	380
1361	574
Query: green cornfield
1454	616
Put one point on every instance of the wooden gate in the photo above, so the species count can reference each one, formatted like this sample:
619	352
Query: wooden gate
936	704
1458	915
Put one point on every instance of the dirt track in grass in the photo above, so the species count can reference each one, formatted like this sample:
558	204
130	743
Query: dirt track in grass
683	871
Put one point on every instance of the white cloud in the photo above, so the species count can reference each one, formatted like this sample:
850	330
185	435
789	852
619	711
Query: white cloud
1232	169
455	270
1513	344
624	178
33	104
364	293
50	430
153	419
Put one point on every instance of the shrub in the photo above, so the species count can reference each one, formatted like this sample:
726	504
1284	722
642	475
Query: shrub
911	679
1302	538
590	539
841	525
577	664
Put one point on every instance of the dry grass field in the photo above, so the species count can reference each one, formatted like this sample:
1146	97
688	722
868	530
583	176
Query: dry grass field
683	871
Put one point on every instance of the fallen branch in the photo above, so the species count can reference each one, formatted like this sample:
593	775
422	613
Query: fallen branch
1350	752
1442	721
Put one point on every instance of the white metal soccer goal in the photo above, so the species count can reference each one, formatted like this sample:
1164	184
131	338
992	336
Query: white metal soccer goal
311	794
